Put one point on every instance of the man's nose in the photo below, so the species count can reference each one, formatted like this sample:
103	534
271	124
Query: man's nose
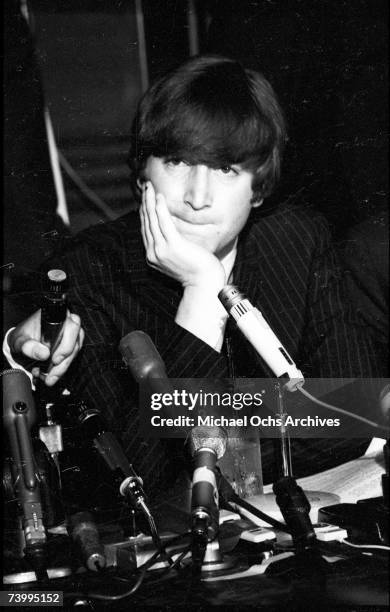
198	187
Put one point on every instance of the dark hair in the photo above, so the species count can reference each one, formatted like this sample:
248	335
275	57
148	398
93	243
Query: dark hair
211	110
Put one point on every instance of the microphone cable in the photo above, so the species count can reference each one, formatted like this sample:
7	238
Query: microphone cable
155	536
228	496
358	417
258	513
143	569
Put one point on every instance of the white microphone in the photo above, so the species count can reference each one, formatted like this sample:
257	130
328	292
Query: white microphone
257	331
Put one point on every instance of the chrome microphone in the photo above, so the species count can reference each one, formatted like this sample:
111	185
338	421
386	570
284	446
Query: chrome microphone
207	446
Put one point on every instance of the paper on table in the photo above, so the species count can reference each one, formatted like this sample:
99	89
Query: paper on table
357	479
346	483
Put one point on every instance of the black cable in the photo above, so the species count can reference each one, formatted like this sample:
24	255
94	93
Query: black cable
111	597
176	563
144	567
228	496
155	536
261	515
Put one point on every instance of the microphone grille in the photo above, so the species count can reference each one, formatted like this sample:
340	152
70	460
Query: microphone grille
230	296
213	438
384	401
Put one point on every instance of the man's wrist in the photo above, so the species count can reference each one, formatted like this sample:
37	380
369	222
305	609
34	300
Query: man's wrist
203	290
201	313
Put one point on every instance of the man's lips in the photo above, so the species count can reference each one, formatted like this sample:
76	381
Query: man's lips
191	221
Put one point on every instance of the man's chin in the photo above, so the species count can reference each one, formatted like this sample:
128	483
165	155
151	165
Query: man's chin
201	241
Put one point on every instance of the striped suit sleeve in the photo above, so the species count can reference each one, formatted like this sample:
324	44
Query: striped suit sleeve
334	342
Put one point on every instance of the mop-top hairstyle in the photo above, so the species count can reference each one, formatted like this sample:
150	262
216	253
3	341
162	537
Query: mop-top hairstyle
212	111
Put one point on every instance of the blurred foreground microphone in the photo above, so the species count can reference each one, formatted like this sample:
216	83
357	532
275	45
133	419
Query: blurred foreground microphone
85	536
207	445
19	416
384	403
146	366
145	363
257	331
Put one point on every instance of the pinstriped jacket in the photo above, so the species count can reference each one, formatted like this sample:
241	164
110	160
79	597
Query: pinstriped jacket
286	266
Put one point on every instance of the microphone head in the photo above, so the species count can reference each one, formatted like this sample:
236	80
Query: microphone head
16	389
212	438
141	356
384	401
229	296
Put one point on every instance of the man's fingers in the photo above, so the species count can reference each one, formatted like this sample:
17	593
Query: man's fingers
61	363
70	338
167	227
28	330
32	349
81	337
57	371
148	239
141	216
150	209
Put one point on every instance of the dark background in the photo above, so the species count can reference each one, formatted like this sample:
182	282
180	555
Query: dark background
326	60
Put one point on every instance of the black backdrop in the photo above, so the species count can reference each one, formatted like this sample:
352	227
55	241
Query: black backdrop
328	63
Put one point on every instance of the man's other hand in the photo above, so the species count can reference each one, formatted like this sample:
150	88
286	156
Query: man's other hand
24	342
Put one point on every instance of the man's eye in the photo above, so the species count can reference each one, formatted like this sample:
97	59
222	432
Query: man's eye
228	170
174	161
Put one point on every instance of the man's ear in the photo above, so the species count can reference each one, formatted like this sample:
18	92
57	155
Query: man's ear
140	182
257	203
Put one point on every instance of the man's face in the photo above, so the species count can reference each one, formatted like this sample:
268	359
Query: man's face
209	206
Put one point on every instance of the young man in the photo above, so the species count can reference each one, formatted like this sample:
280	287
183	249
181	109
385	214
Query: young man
206	149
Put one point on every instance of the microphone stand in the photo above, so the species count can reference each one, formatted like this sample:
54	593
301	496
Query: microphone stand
205	549
310	567
207	446
291	499
284	439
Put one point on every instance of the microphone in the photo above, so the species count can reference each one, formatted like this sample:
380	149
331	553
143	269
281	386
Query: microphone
85	536
53	313
257	331
142	357
113	454
295	509
384	403
53	316
19	415
146	366
207	446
